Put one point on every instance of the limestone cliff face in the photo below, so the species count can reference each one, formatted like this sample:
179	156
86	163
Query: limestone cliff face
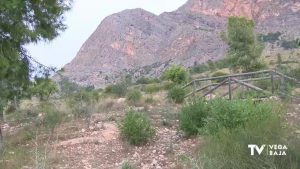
142	44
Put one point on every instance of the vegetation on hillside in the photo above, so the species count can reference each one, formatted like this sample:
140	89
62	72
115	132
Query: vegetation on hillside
244	48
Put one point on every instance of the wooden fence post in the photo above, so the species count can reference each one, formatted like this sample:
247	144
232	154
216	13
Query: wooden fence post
272	81
229	88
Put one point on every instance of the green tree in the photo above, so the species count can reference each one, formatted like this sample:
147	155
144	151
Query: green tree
244	48
43	88
177	74
23	22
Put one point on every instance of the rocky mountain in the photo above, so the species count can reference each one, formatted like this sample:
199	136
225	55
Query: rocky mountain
140	43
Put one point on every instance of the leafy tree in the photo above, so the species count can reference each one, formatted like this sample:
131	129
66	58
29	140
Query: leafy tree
177	74
23	22
244	48
43	88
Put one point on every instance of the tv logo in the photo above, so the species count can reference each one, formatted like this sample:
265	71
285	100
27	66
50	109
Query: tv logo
271	150
258	149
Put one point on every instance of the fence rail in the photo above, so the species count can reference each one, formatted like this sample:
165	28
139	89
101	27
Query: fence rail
241	79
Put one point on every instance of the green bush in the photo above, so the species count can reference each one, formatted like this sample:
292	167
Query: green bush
177	74
83	104
209	117
217	74
136	128
134	96
234	114
228	149
149	100
117	89
200	68
152	88
145	80
176	94
192	117
52	116
295	73
127	165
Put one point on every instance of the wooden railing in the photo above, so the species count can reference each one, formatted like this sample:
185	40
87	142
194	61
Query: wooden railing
241	79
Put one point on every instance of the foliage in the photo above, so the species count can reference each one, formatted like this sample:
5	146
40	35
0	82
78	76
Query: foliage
152	88
52	116
293	44
211	65
134	96
23	22
149	100
127	165
295	73
176	74
119	89
270	37
136	128
43	88
244	48
210	117
228	149
82	103
192	117
176	94
145	80
67	87
234	114
217	74
199	68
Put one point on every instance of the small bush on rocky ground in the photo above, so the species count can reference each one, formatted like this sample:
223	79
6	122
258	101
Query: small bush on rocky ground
238	124
136	128
177	74
52	116
202	117
145	80
192	117
176	94
134	96
152	88
149	100
117	89
217	74
127	165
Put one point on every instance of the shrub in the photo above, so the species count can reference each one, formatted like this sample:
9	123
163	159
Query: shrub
210	117
176	94
52	117
127	165
192	117
200	68
149	100
228	149
108	89
134	96
295	73
234	114
145	80
152	88
136	128
119	89
176	74
217	74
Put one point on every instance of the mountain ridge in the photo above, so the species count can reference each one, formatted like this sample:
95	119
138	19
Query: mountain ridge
140	43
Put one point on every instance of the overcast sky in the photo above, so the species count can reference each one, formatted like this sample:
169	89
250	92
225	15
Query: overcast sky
83	19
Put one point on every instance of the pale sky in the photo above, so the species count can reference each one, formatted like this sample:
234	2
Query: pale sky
83	19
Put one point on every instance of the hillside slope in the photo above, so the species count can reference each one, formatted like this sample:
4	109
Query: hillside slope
140	43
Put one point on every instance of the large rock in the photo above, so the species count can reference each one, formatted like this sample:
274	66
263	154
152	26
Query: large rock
140	43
